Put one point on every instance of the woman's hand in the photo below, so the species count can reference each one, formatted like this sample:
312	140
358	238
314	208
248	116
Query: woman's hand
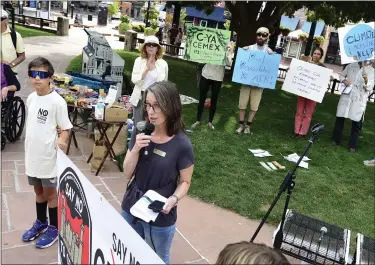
169	204
4	93
364	75
150	63
141	141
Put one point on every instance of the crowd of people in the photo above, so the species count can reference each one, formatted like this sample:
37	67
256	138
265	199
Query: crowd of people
168	166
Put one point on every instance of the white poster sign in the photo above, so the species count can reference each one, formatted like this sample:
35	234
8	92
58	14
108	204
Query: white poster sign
91	231
357	43
307	80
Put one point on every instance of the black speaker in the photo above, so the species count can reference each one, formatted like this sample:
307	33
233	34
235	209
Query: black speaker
102	15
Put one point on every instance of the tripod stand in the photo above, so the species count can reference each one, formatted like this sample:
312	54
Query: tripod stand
287	185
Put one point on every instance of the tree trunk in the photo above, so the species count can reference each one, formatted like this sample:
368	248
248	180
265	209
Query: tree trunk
176	14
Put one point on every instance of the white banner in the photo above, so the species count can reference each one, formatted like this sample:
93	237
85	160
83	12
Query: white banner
307	80
91	231
357	42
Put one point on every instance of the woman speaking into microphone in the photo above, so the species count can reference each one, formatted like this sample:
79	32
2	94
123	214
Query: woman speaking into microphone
167	168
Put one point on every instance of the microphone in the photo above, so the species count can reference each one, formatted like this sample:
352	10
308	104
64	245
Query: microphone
323	230
317	128
147	129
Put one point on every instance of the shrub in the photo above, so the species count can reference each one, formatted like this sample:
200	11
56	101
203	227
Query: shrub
149	31
125	19
123	27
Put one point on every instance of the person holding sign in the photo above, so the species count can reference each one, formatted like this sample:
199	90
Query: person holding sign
212	76
166	168
357	79
148	69
305	106
251	93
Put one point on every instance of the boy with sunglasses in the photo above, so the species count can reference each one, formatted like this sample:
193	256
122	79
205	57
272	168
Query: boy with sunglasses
251	93
46	110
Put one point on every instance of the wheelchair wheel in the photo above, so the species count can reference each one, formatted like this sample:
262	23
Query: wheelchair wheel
15	119
3	141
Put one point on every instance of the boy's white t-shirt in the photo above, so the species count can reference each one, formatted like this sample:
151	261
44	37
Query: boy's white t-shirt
45	113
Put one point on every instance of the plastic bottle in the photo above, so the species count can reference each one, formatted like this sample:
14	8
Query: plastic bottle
100	106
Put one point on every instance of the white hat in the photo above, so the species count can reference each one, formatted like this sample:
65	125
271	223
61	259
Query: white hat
152	39
263	30
4	14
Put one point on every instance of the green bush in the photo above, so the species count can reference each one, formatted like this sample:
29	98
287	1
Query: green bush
138	28
142	27
125	19
123	27
150	31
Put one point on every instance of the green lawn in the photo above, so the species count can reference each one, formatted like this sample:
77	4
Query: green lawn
337	187
28	32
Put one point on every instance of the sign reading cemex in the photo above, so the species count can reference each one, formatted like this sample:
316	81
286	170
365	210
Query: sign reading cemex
357	43
256	68
91	231
307	80
206	45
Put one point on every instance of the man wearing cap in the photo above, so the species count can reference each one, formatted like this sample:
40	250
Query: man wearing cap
251	93
12	48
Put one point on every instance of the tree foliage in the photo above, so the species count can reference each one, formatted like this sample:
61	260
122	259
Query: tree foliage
113	8
152	13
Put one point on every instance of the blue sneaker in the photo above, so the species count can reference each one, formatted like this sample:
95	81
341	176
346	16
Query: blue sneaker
49	237
34	231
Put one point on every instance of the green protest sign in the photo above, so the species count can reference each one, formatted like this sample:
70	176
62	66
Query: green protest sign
206	45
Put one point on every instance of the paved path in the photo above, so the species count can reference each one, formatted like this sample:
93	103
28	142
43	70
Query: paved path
203	229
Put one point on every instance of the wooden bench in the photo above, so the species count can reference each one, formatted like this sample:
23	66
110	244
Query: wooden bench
121	37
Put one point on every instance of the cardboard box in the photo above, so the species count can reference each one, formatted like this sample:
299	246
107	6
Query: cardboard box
116	113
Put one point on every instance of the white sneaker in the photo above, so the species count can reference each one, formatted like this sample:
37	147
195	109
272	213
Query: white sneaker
239	129
195	124
247	129
210	126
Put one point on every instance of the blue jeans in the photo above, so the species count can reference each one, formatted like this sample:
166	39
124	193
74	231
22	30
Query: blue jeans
158	238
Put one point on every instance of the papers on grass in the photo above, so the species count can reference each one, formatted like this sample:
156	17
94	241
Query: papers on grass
260	153
294	158
140	208
269	166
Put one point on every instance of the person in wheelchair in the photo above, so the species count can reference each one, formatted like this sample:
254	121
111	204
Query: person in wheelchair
9	82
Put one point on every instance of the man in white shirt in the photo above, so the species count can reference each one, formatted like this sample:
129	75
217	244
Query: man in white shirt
12	48
252	93
358	78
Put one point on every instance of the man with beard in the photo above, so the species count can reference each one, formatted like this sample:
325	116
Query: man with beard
251	93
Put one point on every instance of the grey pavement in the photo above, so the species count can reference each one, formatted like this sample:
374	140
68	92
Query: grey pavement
203	229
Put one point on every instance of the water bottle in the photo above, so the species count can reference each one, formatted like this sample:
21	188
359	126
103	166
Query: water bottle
100	106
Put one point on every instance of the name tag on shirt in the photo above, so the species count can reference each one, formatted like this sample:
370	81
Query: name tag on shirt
159	152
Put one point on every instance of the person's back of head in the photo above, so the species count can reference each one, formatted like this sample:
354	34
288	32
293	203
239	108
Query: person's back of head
250	253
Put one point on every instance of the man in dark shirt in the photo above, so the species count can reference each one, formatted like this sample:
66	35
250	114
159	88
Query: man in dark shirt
173	32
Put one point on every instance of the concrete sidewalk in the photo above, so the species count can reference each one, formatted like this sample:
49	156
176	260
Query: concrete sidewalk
203	229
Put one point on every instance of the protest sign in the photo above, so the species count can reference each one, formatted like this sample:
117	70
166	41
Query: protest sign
91	231
256	68
307	80
206	45
357	43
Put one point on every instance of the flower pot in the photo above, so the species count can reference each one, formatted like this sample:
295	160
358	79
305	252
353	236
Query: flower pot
285	32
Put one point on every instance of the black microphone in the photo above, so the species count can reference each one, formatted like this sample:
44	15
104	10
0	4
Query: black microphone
147	129
317	128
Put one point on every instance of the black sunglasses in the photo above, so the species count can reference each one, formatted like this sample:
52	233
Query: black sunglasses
41	74
264	35
3	18
151	45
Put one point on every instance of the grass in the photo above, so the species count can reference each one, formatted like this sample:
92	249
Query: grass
28	32
337	188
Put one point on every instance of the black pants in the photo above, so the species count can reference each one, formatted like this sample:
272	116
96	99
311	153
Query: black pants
354	134
204	86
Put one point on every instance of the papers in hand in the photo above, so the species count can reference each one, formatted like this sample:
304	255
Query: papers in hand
260	153
345	89
140	208
294	158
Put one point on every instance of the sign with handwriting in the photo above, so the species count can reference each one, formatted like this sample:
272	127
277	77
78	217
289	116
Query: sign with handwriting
307	80
357	43
256	68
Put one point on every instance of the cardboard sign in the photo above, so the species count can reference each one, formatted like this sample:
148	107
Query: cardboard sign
206	45
357	43
256	68
307	80
91	231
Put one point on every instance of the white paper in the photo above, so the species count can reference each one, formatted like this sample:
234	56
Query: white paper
307	80
140	208
265	166
345	89
294	158
260	153
112	95
256	151
271	165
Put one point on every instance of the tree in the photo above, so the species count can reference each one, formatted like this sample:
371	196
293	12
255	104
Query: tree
182	16
113	9
152	13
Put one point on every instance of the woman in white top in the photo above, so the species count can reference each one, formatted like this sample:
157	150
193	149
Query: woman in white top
212	76
148	69
359	81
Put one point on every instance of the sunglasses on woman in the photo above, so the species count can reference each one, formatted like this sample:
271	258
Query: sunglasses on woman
41	74
264	35
151	45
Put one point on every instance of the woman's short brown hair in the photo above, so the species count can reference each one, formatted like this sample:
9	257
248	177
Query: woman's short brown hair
168	98
250	253
159	53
